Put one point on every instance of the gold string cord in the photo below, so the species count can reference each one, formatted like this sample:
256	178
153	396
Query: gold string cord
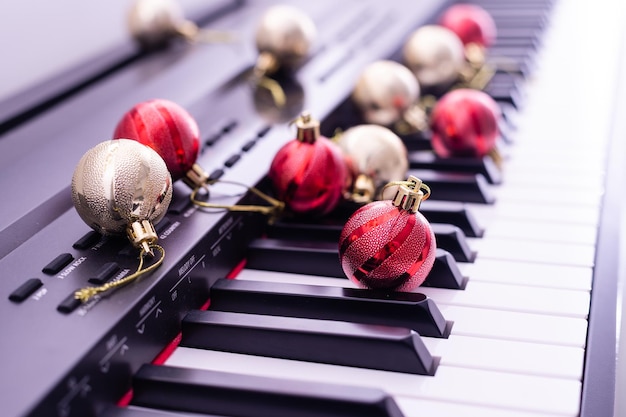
85	294
274	210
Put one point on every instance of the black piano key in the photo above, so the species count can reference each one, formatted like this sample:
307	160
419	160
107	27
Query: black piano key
484	166
230	394
452	213
451	239
411	310
445	273
466	188
385	348
448	237
133	411
322	259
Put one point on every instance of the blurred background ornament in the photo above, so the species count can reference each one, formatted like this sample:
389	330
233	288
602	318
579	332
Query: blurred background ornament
284	38
376	156
172	132
436	57
388	245
464	123
471	23
154	23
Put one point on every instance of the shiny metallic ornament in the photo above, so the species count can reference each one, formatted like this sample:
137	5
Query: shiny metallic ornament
464	123
388	245
171	131
121	186
377	156
435	55
384	91
155	22
284	38
309	173
471	23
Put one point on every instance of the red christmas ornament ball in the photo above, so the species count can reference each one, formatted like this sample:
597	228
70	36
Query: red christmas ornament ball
384	247
471	23
309	177
165	127
464	123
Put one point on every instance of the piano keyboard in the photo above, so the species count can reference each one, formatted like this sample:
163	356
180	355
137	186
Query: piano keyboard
517	318
517	343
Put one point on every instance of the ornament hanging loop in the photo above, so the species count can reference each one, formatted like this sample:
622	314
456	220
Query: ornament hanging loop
274	210
267	63
85	294
192	33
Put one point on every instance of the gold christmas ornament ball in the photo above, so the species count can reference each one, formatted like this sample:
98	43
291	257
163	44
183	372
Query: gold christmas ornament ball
376	152
384	91
155	22
286	33
435	55
119	182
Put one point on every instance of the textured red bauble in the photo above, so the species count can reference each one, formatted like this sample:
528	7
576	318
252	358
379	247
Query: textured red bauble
471	23
387	248
464	123
309	177
165	127
309	173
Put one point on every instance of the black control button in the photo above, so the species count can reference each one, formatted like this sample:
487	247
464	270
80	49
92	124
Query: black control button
88	240
58	264
248	146
263	131
179	205
216	175
105	273
210	141
68	305
232	160
25	290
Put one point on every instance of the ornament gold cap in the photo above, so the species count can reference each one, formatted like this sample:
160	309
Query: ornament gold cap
196	177
142	235
308	128
364	189
409	194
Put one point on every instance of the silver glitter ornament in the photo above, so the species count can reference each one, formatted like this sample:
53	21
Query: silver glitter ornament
376	155
384	91
121	186
435	55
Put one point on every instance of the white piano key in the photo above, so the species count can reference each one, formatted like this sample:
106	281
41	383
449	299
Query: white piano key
524	273
508	356
572	254
412	407
542	230
571	303
549	194
469	321
449	384
567	214
509	325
